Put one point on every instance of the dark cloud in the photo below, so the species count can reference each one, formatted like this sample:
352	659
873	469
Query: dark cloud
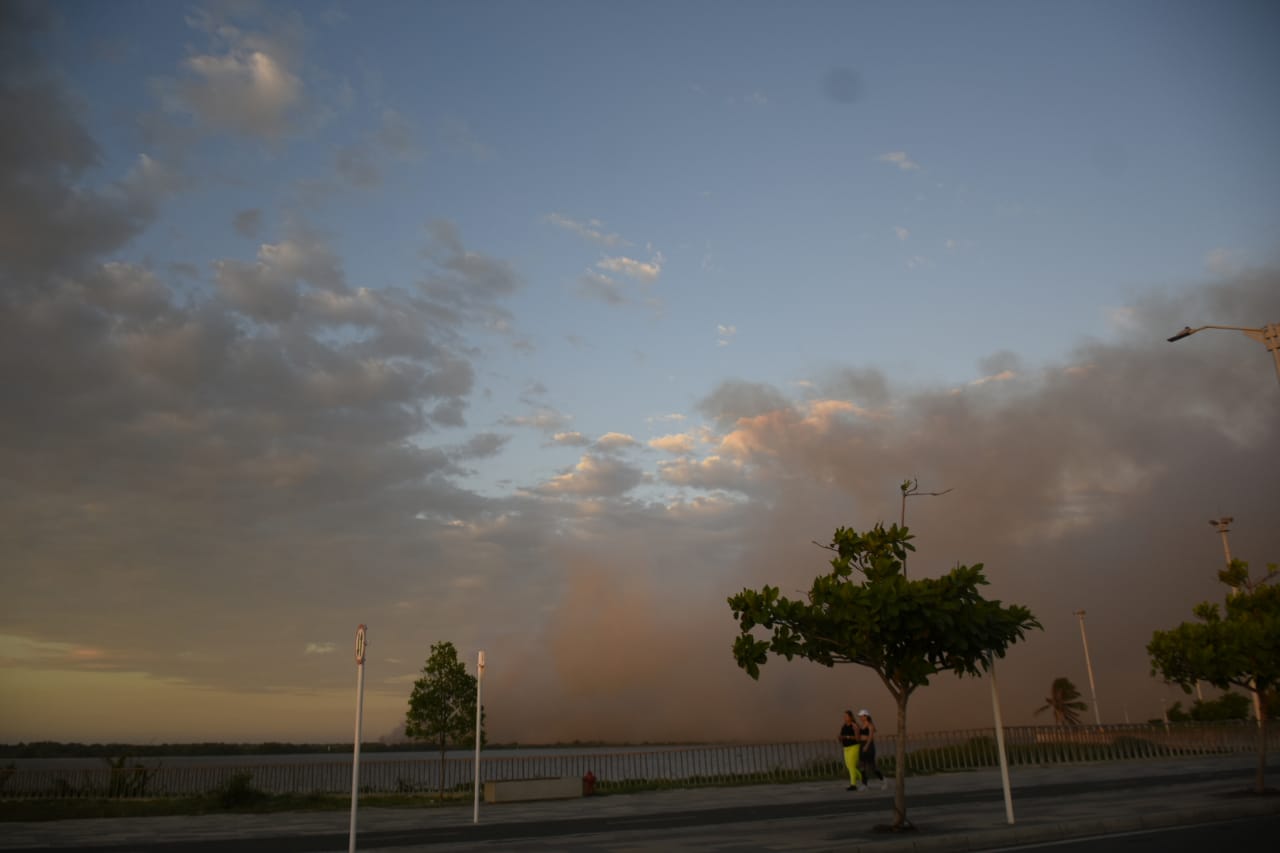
248	223
737	399
864	386
484	445
51	218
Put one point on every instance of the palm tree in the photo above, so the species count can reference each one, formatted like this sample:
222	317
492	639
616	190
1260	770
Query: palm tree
1062	700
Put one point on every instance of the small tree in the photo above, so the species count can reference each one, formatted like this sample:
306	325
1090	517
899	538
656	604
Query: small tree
1228	706
1240	648
1062	700
442	706
905	631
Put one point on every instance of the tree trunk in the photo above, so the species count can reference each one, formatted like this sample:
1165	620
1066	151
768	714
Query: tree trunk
1260	784
442	745
900	765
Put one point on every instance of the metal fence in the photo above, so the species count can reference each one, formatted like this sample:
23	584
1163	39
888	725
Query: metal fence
619	771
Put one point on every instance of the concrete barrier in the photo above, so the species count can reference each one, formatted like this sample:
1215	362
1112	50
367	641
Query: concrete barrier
516	790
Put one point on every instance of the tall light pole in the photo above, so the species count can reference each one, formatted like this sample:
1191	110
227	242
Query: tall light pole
361	646
1097	716
475	808
1223	526
1268	336
911	489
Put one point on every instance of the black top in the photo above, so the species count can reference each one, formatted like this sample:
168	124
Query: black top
848	735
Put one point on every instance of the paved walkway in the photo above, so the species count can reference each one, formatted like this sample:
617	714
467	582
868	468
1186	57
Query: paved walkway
950	812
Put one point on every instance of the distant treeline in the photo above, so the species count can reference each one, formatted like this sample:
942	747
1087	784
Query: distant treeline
55	749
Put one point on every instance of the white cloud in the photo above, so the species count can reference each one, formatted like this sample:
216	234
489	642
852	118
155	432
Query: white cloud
646	271
596	476
570	439
678	444
899	159
320	649
916	262
724	334
592	229
1002	376
902	233
548	420
246	89
615	440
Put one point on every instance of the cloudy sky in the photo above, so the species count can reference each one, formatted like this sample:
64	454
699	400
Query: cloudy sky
542	328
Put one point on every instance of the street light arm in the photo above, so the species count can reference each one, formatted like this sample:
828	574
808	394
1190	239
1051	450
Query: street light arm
1188	331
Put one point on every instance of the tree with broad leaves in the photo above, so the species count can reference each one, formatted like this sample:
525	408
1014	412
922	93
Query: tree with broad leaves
866	612
1240	647
1063	701
442	706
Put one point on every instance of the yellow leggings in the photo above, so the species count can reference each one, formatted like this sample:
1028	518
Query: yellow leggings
851	762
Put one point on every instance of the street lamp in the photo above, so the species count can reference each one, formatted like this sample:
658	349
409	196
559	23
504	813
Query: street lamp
1268	336
1223	526
1097	717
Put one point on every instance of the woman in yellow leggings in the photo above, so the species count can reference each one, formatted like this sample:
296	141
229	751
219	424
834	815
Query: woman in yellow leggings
852	746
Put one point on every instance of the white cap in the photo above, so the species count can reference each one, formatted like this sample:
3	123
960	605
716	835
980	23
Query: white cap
864	713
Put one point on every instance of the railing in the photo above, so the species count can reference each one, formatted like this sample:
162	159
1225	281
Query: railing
619	771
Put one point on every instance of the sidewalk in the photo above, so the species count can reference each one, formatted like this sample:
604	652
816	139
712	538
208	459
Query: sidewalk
951	812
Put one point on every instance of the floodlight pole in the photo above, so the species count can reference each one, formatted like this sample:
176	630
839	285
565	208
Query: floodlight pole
475	807
1268	336
1223	526
1097	716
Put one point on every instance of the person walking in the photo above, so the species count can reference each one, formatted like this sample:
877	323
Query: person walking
867	754
852	745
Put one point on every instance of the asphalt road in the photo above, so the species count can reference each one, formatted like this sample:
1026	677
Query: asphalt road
830	811
1243	835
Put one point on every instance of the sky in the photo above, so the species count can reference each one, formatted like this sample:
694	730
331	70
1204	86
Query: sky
543	328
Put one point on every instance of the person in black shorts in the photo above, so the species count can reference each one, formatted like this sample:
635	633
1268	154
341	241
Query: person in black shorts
867	755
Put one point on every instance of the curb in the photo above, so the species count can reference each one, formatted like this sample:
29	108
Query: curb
992	839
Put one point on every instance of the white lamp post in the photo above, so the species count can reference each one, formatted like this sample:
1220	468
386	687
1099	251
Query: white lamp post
475	806
1004	760
355	763
1268	336
1093	691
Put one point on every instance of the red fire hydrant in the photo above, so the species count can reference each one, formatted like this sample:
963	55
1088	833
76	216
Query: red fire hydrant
588	784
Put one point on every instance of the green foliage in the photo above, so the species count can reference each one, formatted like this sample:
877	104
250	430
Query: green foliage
1239	647
905	630
442	706
128	781
1062	700
1229	706
866	612
239	792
